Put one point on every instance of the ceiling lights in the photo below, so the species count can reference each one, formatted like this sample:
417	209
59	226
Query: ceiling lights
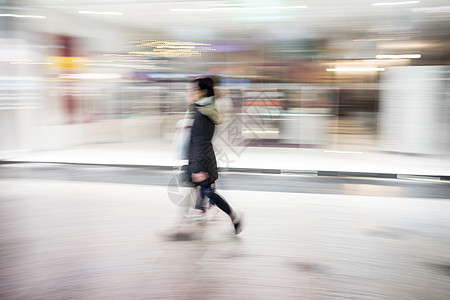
399	56
169	48
22	16
236	7
355	69
394	3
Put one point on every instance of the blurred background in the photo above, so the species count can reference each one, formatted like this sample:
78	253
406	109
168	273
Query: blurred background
93	90
350	76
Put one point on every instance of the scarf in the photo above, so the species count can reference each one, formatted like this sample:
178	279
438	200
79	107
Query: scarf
206	107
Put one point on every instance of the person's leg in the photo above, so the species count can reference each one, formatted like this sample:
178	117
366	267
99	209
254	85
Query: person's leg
209	191
221	203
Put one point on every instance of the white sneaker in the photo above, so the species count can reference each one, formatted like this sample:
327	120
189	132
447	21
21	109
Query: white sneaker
195	214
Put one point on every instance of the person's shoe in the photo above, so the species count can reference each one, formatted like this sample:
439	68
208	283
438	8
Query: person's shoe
205	209
195	215
239	225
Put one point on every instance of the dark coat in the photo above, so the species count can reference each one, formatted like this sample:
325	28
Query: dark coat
201	152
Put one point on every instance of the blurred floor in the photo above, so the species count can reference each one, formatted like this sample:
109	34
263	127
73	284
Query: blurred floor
412	186
307	159
90	240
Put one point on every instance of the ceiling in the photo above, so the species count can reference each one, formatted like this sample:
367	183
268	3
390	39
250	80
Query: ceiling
263	20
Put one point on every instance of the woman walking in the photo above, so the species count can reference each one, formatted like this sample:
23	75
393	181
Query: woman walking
202	167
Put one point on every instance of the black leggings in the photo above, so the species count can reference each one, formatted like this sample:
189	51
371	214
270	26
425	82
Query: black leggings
208	190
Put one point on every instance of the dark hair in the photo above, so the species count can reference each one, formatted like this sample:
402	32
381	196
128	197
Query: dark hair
204	84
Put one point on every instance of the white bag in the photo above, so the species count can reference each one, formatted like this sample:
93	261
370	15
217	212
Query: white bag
182	138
